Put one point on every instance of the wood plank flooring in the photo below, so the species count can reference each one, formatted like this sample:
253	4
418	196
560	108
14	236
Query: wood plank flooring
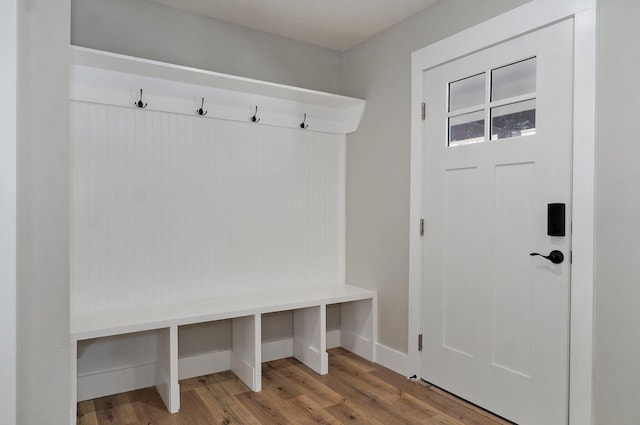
355	392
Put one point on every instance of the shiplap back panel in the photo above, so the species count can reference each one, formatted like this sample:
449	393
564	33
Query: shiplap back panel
169	207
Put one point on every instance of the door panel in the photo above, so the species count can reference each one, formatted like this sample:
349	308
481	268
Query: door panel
515	219
497	151
461	266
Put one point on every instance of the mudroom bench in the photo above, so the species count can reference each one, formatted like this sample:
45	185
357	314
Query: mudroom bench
358	309
197	198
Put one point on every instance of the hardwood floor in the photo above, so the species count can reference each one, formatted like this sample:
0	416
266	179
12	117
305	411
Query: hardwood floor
355	392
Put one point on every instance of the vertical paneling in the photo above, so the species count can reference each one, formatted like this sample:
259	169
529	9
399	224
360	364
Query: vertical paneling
168	207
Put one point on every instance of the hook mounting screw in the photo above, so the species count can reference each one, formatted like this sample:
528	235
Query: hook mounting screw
255	118
201	111
303	124
140	104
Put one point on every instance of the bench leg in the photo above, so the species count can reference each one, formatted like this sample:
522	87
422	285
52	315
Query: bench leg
310	338
358	327
167	368
247	350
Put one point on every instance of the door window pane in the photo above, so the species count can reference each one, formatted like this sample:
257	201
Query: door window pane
513	80
467	93
513	120
466	128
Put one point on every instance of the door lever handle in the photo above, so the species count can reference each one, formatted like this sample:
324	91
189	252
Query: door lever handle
555	256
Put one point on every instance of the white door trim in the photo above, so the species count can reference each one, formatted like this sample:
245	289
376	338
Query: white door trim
527	18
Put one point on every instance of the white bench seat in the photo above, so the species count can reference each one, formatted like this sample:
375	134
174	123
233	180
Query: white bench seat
357	333
120	321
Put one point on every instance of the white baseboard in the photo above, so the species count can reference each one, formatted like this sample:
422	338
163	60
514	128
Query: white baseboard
333	339
315	359
246	371
131	378
204	364
392	359
357	344
275	350
116	381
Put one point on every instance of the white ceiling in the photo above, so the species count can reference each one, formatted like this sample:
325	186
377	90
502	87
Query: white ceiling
336	24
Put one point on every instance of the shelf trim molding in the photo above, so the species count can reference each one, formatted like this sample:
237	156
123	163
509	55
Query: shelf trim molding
115	79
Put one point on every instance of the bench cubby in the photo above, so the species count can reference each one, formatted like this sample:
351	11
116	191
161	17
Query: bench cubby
309	340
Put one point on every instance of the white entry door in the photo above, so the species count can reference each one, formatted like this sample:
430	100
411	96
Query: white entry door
498	143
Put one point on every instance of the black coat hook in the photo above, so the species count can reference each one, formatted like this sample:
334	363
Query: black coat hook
201	111
254	118
140	104
303	124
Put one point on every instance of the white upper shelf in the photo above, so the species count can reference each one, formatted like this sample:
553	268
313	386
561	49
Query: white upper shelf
105	77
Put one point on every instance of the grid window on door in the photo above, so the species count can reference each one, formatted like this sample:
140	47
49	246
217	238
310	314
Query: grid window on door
496	104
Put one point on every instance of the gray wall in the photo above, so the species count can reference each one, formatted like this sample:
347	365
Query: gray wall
617	347
378	155
8	43
43	346
149	30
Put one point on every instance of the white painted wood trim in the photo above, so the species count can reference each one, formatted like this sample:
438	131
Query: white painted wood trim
274	350
527	18
342	215
166	368
393	359
583	227
171	72
102	383
130	378
115	79
415	216
310	336
246	356
333	339
113	381
358	327
204	364
246	353
115	322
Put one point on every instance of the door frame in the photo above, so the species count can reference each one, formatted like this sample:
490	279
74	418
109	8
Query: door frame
524	19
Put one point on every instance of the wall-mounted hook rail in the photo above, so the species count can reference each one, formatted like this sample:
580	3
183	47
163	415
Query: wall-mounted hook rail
201	111
140	104
303	124
255	118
